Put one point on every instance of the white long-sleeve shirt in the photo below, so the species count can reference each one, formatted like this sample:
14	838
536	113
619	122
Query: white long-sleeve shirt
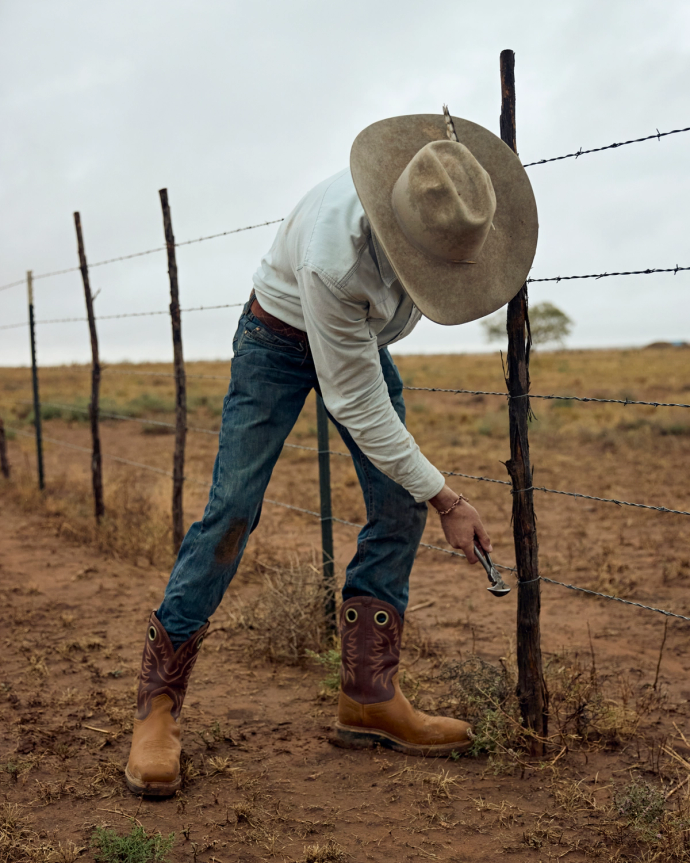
327	275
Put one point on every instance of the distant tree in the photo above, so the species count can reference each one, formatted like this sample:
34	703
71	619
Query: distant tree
547	323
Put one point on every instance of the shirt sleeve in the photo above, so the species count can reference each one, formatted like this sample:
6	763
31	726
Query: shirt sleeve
354	390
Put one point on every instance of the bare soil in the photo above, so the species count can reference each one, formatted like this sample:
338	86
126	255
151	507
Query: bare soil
262	780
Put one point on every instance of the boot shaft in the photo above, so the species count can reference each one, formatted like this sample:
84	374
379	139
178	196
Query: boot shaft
164	670
370	632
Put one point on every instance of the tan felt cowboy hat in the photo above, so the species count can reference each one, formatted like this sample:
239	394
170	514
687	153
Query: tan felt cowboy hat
456	218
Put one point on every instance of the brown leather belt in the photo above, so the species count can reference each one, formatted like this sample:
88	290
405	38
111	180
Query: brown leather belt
276	325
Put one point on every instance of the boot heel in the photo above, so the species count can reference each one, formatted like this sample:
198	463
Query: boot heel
350	738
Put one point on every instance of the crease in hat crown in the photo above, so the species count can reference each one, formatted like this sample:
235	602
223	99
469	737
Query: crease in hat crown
444	202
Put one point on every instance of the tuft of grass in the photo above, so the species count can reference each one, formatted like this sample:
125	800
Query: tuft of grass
135	847
287	618
331	852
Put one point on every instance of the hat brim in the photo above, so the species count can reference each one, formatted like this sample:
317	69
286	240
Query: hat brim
448	292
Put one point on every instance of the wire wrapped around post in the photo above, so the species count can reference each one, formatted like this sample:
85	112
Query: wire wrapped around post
531	688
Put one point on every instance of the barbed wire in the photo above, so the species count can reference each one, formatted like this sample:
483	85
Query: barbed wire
560	398
659	135
474	477
122	315
315	514
207	485
646	272
601	499
141	254
613	598
145	421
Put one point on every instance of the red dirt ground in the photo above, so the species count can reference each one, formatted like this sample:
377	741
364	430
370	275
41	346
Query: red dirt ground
72	635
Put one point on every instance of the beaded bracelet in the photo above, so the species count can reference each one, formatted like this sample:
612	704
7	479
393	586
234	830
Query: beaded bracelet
455	503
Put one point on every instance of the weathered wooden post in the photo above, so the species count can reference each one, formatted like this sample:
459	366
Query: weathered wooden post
34	382
4	461
180	379
326	512
531	688
94	409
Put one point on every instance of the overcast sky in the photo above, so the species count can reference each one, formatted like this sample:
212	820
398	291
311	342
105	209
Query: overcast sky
238	108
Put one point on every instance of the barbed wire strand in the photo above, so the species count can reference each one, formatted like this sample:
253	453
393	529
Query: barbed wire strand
359	526
123	315
646	272
214	432
601	499
141	254
659	135
207	485
613	598
560	398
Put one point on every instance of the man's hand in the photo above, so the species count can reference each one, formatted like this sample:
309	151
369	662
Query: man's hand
462	524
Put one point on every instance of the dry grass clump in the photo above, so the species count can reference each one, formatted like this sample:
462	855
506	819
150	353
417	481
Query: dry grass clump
484	695
20	844
585	707
331	852
286	621
135	527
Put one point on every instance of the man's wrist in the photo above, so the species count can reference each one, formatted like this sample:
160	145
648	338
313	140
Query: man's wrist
444	499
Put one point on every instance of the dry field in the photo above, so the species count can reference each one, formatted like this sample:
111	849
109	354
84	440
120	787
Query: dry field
262	781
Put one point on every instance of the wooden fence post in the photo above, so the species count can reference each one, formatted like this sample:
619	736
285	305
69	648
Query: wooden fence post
94	409
34	382
326	513
180	379
531	688
4	461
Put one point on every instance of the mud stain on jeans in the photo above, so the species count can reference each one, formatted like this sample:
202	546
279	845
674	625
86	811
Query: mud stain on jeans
229	545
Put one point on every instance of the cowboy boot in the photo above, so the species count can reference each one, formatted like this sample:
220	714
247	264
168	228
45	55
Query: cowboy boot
154	759
372	709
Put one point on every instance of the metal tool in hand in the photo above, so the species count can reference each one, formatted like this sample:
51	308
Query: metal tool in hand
498	587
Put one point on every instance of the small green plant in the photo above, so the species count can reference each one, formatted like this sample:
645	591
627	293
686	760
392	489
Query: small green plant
642	806
136	847
329	660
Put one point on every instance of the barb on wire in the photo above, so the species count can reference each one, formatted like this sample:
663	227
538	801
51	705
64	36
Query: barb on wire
646	272
614	598
142	254
560	398
659	135
123	315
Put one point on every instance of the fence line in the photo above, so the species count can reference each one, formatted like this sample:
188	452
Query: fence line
351	523
214	432
531	687
576	155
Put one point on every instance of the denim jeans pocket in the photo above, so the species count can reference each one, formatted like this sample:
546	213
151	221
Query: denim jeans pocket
255	332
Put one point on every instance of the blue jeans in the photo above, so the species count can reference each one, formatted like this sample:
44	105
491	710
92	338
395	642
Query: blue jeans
271	379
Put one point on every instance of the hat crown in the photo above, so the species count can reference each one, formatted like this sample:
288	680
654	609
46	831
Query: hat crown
444	202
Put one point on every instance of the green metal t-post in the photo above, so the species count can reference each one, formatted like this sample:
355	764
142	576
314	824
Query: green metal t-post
326	511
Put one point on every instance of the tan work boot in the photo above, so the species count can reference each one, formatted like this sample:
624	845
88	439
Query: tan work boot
154	759
372	709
